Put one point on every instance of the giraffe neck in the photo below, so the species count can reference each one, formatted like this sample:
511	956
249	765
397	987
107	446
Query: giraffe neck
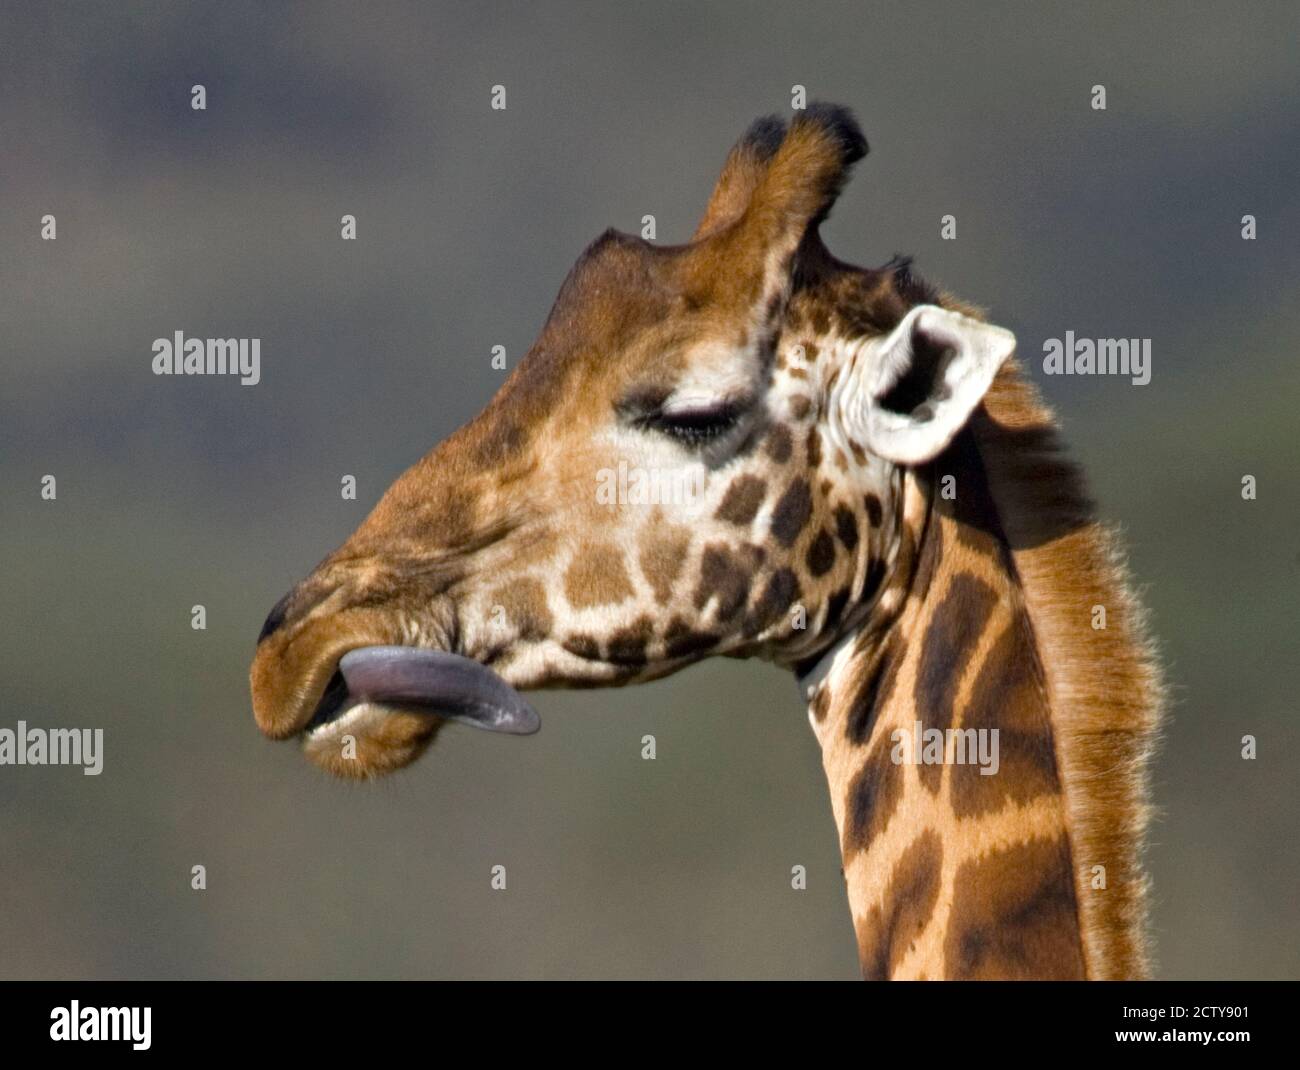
938	746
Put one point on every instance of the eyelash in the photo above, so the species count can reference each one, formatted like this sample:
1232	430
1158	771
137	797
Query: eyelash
695	427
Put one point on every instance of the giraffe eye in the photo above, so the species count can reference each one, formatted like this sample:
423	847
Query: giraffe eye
694	427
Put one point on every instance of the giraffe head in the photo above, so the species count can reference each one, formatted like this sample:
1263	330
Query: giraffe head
701	455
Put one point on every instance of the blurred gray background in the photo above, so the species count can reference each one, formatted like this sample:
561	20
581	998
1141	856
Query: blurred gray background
177	491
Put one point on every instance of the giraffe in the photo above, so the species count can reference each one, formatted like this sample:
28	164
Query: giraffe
881	504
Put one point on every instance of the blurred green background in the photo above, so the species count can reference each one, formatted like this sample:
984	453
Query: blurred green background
177	491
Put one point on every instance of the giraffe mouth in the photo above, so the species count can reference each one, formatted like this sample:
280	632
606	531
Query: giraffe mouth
420	681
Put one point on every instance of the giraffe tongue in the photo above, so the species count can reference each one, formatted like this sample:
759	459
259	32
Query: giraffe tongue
457	688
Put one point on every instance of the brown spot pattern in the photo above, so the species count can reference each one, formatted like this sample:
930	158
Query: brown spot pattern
873	579
875	689
928	563
1009	697
821	554
846	527
741	502
525	606
628	645
835	608
1014	916
888	933
682	641
596	577
814	447
583	646
779	444
725	576
946	649
873	797
662	556
779	594
792	512
875	511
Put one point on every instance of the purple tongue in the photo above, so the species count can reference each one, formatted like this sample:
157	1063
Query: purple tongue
457	688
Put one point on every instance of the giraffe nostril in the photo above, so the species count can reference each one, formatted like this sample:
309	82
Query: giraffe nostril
276	617
300	600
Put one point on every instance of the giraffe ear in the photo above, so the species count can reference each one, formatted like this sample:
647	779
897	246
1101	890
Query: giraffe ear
907	395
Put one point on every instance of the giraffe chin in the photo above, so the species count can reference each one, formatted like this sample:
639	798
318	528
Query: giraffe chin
369	740
385	704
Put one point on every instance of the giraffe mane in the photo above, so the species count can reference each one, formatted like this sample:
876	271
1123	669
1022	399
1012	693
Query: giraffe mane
1105	691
